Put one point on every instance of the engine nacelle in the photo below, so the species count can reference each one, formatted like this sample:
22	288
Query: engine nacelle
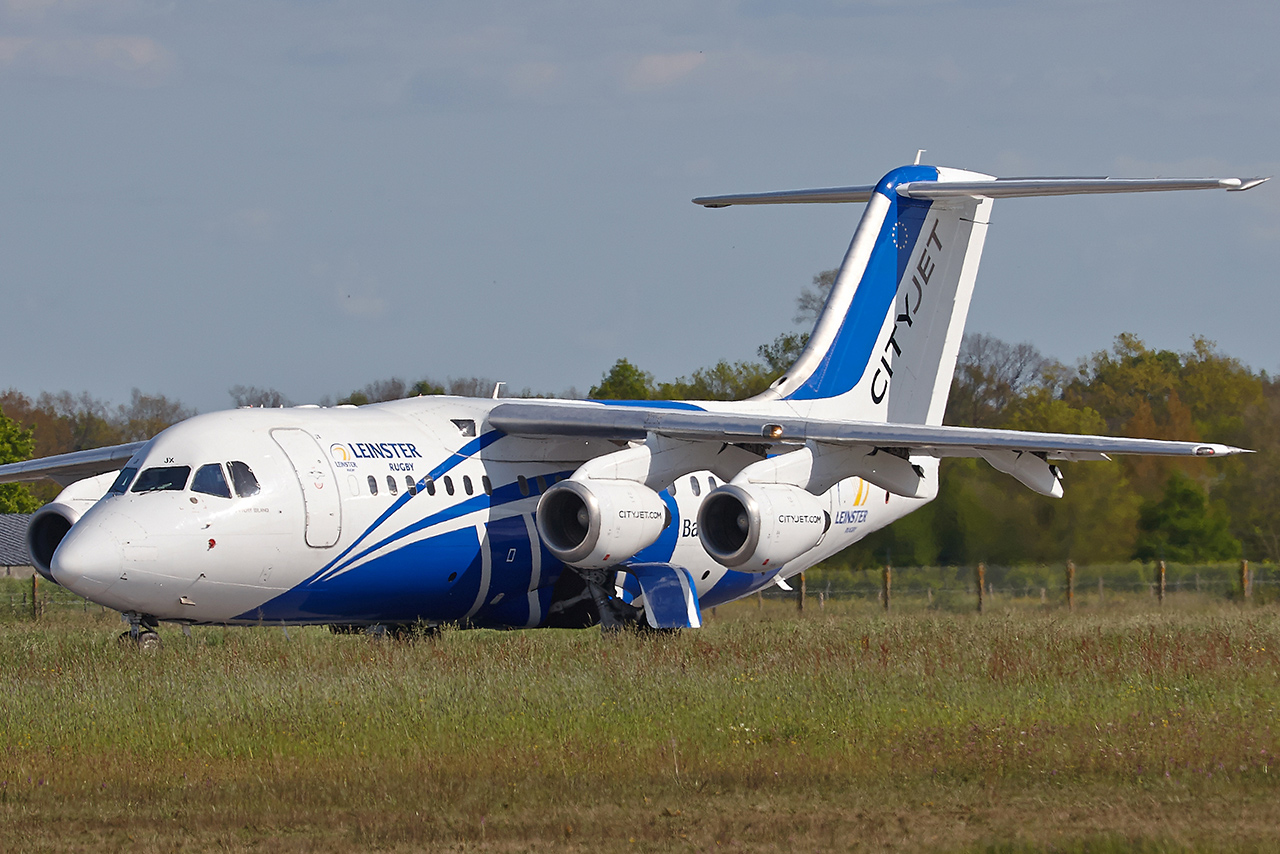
593	524
759	527
51	522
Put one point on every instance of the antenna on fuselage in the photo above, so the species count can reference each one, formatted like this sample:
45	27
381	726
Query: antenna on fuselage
497	388
920	153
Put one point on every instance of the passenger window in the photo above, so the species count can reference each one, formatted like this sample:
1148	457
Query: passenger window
488	484
210	480
409	485
524	484
430	485
693	485
672	489
373	485
391	485
466	484
162	479
711	482
124	479
448	484
243	480
353	485
542	483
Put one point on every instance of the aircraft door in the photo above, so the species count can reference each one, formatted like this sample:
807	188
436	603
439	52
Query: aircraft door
319	486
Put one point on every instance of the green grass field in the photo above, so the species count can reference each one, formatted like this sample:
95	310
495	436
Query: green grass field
1113	728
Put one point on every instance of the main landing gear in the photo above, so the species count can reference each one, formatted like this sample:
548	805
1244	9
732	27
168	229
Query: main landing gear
142	631
615	615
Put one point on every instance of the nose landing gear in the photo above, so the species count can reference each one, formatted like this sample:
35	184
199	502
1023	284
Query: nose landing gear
142	631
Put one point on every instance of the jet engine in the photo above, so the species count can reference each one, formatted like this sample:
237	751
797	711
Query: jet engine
593	524
51	522
759	527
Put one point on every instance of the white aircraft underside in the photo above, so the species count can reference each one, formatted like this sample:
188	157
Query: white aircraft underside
515	513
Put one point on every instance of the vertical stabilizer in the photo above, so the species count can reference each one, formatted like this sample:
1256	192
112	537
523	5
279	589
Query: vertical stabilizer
884	347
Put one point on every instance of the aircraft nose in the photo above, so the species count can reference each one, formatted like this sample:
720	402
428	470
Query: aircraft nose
87	561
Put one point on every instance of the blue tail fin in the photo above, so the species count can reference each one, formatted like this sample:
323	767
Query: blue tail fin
885	345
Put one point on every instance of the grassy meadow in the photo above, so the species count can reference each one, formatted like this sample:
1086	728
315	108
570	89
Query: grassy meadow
1118	727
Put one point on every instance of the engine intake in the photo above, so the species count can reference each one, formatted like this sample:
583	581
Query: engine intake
759	527
51	522
45	531
593	524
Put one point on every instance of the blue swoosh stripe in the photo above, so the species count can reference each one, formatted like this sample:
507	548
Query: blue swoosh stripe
459	456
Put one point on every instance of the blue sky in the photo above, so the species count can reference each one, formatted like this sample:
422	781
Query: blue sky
311	196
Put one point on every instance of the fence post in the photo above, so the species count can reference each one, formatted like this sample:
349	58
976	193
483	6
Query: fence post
1245	586
800	595
1160	584
1100	590
982	581
35	602
885	582
1071	586
759	600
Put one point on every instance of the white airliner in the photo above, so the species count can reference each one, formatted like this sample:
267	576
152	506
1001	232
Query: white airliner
527	513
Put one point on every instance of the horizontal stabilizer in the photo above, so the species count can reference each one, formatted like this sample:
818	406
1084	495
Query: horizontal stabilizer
995	188
830	195
1013	188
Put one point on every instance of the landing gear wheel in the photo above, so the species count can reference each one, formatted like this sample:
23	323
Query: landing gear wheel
146	640
142	631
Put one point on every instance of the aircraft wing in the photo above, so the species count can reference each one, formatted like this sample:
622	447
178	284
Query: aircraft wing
603	421
68	468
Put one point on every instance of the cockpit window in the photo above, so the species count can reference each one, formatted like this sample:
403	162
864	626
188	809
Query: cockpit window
243	480
210	480
123	481
162	479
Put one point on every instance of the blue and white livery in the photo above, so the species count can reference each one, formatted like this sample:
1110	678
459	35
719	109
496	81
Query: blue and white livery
535	513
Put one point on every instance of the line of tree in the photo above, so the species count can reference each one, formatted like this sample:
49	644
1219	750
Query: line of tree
1143	508
1133	508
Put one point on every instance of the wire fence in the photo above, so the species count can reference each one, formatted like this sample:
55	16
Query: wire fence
947	588
1064	585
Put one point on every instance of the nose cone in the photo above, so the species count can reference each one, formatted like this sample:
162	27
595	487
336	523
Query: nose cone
88	561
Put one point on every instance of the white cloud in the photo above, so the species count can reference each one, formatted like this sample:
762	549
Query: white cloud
660	70
124	59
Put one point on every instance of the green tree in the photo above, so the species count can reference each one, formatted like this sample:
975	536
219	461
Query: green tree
16	445
146	415
813	298
782	352
425	387
721	381
624	381
251	395
1183	525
